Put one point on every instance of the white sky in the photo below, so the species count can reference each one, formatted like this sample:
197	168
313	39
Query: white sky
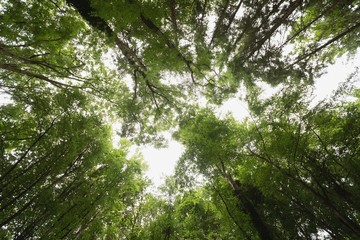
162	161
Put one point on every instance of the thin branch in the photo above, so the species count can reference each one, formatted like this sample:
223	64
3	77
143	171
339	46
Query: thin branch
308	25
349	30
15	69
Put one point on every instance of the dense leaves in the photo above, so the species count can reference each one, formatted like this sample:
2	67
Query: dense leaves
296	166
72	67
59	171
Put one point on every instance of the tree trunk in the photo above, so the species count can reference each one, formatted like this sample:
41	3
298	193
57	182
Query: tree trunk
257	221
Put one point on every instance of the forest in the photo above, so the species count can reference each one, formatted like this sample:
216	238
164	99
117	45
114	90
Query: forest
70	69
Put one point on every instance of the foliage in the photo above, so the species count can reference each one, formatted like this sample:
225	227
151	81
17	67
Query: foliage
296	165
72	67
59	171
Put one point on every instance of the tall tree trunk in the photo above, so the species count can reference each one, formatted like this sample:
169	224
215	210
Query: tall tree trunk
257	221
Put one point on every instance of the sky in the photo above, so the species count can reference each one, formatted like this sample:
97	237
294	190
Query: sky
162	162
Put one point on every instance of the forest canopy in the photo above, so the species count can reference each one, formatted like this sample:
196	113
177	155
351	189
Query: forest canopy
73	67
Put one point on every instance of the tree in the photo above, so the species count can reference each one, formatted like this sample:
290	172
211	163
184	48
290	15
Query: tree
170	57
212	146
291	170
60	174
155	42
177	214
